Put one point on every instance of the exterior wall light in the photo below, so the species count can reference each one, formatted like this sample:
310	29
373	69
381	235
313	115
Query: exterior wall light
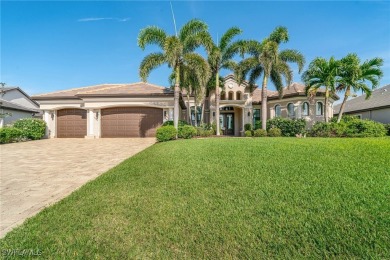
97	115
52	115
249	113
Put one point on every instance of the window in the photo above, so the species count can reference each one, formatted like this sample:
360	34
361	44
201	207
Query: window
305	109
291	110
223	95
278	111
238	95
256	116
319	109
231	95
198	115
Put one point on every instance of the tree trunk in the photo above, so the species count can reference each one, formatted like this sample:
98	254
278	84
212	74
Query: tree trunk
326	105
264	104
196	110
188	109
217	98
346	95
202	115
176	99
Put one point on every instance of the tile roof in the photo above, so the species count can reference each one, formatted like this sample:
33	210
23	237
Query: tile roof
11	105
379	98
139	88
295	89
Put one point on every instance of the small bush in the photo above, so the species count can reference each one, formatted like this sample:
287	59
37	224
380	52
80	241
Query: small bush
186	132
260	133
170	122
257	125
200	131
387	127
32	128
166	133
274	132
248	133
288	126
248	127
10	134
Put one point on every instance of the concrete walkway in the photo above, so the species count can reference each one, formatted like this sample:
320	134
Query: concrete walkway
36	174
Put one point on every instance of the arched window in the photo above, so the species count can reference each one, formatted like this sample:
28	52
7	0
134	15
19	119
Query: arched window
319	109
278	111
290	110
231	95
223	95
305	109
238	95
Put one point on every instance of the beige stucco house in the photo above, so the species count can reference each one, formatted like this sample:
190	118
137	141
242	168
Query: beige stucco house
136	110
376	108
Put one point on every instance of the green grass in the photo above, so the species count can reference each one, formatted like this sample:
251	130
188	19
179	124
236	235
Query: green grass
226	198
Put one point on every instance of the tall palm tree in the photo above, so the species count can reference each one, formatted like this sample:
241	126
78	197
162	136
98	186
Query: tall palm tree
322	73
220	56
354	75
268	61
177	50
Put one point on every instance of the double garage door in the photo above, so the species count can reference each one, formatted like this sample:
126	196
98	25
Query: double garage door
115	122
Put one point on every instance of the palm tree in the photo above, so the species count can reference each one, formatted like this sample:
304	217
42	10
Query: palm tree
177	50
220	56
354	75
322	73
268	61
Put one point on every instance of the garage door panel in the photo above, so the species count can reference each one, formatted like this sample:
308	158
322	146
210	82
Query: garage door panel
71	123
130	121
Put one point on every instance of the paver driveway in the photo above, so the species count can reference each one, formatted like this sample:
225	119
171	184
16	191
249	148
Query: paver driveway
38	173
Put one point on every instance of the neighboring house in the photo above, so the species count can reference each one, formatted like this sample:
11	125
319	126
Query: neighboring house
16	104
136	110
376	108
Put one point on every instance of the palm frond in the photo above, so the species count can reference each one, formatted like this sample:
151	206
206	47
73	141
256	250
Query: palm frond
279	35
228	36
191	27
293	56
151	35
149	63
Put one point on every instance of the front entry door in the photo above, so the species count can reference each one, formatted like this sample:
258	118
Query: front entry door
227	123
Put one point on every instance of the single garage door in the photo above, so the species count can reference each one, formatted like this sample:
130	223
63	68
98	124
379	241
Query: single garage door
130	121
71	123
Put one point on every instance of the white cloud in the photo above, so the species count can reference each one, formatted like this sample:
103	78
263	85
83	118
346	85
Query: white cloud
93	19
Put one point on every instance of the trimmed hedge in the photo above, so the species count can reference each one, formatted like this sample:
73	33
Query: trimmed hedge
259	133
248	127
10	134
351	127
274	132
248	133
287	126
204	132
166	133
387	127
32	128
187	132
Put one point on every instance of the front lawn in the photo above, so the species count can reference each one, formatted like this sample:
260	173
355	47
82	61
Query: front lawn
226	198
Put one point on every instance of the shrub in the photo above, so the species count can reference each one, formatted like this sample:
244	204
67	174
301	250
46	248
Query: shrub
32	128
257	125
186	132
351	127
200	131
248	133
387	126
274	132
260	133
288	126
248	127
10	134
166	133
170	122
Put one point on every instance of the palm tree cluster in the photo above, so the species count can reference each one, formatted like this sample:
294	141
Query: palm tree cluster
198	75
342	75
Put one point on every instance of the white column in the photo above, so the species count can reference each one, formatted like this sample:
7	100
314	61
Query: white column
170	114
90	123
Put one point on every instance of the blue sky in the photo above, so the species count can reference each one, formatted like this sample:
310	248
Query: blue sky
48	46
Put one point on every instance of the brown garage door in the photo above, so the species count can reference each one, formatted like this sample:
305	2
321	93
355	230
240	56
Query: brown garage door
131	121
71	123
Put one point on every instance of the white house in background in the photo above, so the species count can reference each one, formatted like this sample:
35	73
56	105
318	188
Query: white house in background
16	104
376	108
137	109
